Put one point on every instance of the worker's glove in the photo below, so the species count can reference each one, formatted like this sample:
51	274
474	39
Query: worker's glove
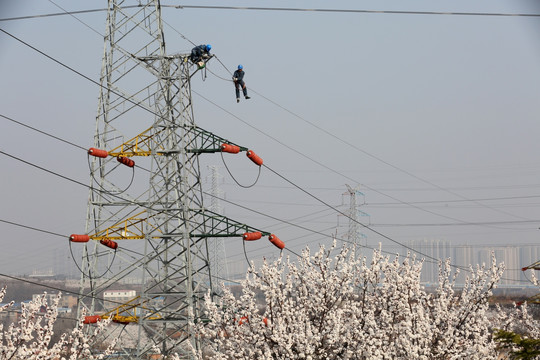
235	79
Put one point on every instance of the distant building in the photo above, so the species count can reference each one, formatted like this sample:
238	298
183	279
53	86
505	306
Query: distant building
464	256
47	274
66	301
430	249
114	298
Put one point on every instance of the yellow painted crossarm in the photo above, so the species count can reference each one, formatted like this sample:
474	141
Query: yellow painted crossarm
128	229
137	146
127	312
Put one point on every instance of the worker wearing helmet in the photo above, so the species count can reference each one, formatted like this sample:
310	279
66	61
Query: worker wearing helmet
199	53
238	78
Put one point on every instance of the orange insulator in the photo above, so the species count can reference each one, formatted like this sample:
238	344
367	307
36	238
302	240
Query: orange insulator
252	236
98	152
119	321
233	149
126	161
276	241
243	319
91	319
265	321
109	243
79	238
254	157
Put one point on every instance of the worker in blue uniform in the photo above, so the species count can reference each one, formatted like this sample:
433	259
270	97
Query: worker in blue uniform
238	78
200	53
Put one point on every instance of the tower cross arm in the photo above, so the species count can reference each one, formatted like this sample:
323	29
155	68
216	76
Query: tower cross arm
216	225
206	142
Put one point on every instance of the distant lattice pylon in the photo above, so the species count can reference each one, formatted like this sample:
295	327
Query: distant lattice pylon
216	246
354	234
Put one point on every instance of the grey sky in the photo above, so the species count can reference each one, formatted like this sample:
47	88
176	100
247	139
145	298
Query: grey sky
439	110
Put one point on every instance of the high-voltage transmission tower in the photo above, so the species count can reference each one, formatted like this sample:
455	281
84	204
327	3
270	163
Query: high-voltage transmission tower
146	223
354	235
217	245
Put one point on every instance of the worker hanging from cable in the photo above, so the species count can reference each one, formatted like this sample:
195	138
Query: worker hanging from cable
199	54
238	78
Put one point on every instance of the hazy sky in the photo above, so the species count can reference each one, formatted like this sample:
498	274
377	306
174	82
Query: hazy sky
433	117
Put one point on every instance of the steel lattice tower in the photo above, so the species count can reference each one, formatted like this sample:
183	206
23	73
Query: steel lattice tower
353	233
153	211
217	245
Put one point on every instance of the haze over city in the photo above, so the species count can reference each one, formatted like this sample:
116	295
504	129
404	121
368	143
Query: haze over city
432	117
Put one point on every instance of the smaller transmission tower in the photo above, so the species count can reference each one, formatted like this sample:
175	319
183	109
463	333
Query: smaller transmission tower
216	246
354	234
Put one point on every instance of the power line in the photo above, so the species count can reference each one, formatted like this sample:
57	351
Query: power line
463	200
80	74
323	165
346	215
355	11
77	72
244	207
368	204
76	18
32	228
64	290
42	132
378	158
273	138
292	113
43	169
57	14
459	224
380	190
313	10
435	260
230	280
290	182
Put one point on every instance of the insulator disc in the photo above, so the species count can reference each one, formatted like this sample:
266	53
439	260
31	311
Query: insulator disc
98	152
109	243
91	319
233	149
254	157
252	236
276	241
126	161
79	238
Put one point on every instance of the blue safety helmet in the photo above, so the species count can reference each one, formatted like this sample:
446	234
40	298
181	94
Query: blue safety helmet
208	47
240	67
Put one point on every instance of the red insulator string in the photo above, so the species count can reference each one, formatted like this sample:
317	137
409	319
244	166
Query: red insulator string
250	236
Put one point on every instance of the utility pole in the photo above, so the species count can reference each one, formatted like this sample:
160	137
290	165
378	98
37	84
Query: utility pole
146	220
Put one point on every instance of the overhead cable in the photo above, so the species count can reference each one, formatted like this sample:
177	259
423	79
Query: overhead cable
95	82
354	11
136	104
313	10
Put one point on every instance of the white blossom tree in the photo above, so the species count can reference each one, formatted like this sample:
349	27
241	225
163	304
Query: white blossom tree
518	334
346	307
30	337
